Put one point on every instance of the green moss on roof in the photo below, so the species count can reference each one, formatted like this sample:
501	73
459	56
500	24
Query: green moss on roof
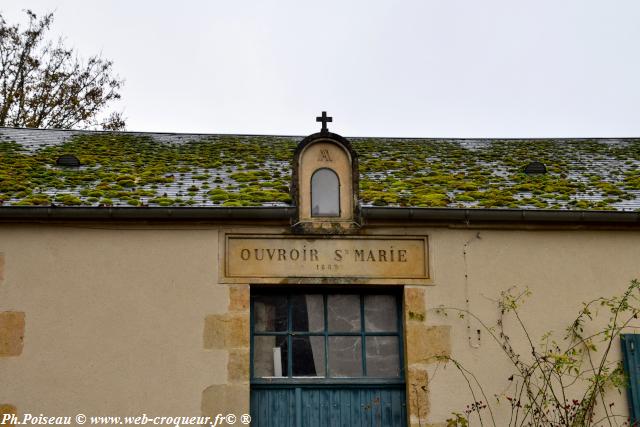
128	169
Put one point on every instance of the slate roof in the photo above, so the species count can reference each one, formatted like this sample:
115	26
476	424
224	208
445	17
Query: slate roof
162	169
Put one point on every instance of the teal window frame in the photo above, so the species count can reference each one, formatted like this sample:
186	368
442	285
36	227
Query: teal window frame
363	334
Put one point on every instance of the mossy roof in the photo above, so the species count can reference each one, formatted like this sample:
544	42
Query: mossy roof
161	169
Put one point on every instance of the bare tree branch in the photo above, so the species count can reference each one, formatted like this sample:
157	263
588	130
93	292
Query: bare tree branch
46	85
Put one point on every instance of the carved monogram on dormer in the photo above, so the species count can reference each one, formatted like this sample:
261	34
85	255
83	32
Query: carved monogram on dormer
325	156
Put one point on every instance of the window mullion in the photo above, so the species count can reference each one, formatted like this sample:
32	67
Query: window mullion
363	339
326	336
400	333
289	338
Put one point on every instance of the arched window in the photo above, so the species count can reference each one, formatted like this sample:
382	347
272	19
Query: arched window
325	193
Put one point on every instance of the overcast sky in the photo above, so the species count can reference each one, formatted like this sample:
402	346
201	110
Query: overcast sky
420	68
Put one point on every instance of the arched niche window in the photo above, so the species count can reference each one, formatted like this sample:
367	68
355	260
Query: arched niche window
325	193
324	185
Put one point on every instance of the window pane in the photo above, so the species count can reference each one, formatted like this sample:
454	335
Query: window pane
270	313
307	313
325	193
270	356
343	312
308	356
345	356
383	359
380	313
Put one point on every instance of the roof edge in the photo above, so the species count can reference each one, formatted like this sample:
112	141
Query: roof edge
500	215
456	215
144	213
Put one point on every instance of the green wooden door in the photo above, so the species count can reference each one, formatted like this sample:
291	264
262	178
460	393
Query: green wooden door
327	359
328	406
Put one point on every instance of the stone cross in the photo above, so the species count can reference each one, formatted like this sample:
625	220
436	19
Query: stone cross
324	119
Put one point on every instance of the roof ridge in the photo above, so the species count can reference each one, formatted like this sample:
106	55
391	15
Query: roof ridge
444	138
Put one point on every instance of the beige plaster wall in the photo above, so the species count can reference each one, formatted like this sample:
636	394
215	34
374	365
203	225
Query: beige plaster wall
561	268
131	320
113	319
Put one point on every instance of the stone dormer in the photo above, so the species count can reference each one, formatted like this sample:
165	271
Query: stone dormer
325	183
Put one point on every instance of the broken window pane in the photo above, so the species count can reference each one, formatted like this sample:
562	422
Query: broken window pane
380	313
270	356
307	313
270	313
308	356
343	313
345	356
325	193
383	358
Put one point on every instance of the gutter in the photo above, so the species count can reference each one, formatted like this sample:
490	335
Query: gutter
447	215
155	213
500	215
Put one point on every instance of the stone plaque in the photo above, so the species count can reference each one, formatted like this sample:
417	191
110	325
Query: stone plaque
282	259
